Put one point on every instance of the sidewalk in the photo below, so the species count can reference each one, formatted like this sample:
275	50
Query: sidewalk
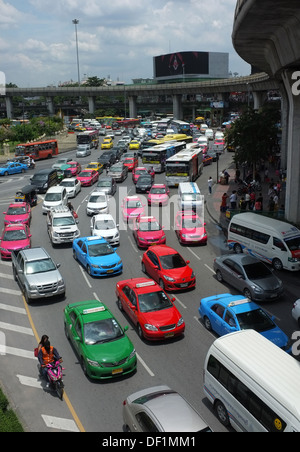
213	201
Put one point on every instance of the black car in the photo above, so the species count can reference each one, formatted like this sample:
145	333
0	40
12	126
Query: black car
144	184
107	159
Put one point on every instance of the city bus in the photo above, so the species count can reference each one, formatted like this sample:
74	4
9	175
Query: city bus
128	122
252	384
170	137
186	166
38	150
155	157
90	137
180	126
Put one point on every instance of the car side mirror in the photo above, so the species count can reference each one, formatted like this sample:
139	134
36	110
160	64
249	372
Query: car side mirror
58	265
187	261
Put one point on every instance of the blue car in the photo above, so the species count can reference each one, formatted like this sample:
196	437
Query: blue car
12	168
97	256
226	313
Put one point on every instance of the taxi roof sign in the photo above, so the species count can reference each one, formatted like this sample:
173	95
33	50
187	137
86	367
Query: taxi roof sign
237	302
145	284
92	310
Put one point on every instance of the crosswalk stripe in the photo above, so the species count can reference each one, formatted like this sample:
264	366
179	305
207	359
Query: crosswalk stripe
7	307
60	423
6	350
29	381
16	328
10	291
5	275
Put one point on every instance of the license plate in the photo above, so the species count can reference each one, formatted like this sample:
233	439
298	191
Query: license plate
117	371
184	284
109	271
169	334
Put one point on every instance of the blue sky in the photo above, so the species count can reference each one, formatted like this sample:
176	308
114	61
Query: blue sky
116	39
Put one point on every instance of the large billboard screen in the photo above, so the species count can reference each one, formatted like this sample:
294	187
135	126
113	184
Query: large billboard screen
181	63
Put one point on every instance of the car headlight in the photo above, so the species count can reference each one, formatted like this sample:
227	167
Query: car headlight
257	289
168	278
93	363
180	321
31	286
95	266
132	354
150	327
193	275
120	262
2	249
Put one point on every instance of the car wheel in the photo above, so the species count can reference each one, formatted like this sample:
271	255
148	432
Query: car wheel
88	269
277	264
238	249
247	294
143	268
222	413
83	366
27	298
140	331
219	276
207	323
66	331
6	173
119	303
74	255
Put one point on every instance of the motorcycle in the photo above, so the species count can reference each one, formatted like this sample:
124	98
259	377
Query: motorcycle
55	374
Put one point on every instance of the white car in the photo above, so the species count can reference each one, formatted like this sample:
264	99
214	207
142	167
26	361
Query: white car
202	140
72	185
296	311
104	225
209	133
97	203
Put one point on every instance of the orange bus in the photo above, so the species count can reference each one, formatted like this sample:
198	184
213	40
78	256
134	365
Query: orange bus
38	150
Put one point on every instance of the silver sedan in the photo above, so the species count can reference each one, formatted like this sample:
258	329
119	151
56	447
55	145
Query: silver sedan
248	275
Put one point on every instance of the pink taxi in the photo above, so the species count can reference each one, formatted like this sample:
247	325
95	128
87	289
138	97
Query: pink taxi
147	231
190	229
132	207
18	212
14	237
158	195
137	172
74	167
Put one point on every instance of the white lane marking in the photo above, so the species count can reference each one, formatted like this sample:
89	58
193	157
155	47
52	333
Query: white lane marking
7	307
29	381
85	277
16	328
5	350
145	365
60	423
8	263
5	275
199	258
132	244
180	302
10	291
209	268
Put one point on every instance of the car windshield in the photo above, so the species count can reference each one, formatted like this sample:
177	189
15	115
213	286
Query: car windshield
191	223
85	174
141	171
116	168
257	271
72	165
149	226
53	197
16	211
172	261
105	330
157	191
97	198
93	165
133	204
293	244
63	221
39	177
100	249
154	301
104	224
257	320
104	183
17	234
66	183
144	180
41	266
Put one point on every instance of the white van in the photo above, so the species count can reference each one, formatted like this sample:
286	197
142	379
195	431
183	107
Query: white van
252	384
55	196
189	197
270	240
209	133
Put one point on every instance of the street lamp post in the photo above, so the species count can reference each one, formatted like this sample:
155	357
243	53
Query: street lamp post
75	22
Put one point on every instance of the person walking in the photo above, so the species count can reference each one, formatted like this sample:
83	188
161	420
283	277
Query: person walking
210	183
223	206
233	200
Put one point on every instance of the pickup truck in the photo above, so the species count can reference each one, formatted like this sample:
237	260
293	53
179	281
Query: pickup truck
38	276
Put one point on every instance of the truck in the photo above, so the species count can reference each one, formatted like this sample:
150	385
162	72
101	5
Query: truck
37	274
61	225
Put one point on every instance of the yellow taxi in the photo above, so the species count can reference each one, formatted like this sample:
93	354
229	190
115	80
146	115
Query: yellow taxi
107	143
95	166
134	144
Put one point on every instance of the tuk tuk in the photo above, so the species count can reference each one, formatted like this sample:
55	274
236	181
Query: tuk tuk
27	194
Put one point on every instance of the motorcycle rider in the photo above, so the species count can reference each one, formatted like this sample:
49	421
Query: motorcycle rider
47	354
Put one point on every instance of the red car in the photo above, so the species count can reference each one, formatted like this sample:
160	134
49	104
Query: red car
158	195
149	308
74	168
88	177
147	231
132	207
131	162
14	237
137	172
190	229
19	212
166	266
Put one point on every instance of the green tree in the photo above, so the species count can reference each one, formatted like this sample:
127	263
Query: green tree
94	81
253	135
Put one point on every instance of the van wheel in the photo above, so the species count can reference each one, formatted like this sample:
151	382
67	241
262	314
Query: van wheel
277	264
237	249
222	413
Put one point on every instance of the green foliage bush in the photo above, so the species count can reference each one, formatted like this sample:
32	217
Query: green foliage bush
8	419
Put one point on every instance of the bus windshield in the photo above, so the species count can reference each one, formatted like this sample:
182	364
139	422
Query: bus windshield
177	168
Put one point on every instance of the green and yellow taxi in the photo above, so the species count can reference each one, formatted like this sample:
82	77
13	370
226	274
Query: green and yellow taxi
100	342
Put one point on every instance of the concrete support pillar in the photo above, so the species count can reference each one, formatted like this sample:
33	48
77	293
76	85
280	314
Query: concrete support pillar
284	127
258	98
50	106
9	107
132	106
91	100
292	199
177	106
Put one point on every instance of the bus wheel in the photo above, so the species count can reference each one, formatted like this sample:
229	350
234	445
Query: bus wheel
222	413
277	264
